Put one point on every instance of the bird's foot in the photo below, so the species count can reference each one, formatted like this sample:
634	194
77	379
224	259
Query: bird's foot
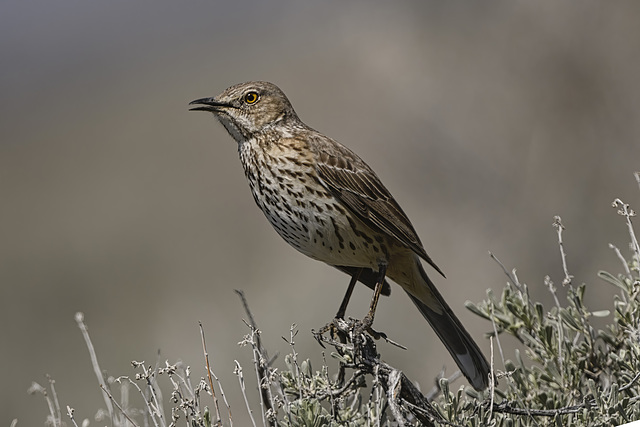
341	330
377	335
364	325
338	331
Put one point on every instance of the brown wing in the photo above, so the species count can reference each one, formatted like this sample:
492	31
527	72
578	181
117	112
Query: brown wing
355	184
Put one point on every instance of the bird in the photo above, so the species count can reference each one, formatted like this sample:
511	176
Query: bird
330	205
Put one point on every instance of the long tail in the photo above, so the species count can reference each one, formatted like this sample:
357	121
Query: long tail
456	339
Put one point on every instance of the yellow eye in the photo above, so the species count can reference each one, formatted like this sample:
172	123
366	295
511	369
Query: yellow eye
251	97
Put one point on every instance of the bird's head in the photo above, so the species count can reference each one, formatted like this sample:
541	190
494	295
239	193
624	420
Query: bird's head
248	108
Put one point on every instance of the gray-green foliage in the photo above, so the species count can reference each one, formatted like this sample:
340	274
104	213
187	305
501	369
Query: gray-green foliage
306	390
573	373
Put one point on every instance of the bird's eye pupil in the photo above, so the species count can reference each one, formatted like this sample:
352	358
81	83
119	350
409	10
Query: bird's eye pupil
251	97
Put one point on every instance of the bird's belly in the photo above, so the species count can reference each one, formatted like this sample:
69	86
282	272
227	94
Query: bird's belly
315	227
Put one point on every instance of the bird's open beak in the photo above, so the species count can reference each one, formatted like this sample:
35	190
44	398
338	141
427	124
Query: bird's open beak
207	104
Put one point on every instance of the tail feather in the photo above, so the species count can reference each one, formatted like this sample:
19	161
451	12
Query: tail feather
453	335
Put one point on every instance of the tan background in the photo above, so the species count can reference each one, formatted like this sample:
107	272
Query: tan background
484	119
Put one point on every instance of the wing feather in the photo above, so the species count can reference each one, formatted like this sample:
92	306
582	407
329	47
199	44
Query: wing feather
355	184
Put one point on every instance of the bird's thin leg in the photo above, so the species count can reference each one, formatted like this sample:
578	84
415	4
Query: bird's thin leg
342	336
334	325
347	296
368	320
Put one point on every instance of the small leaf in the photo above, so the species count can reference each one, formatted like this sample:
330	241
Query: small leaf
610	278
580	293
569	320
476	310
539	310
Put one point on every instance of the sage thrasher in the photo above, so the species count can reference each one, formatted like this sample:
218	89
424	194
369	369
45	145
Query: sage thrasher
326	202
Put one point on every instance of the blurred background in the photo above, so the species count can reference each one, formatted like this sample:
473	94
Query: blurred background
484	120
